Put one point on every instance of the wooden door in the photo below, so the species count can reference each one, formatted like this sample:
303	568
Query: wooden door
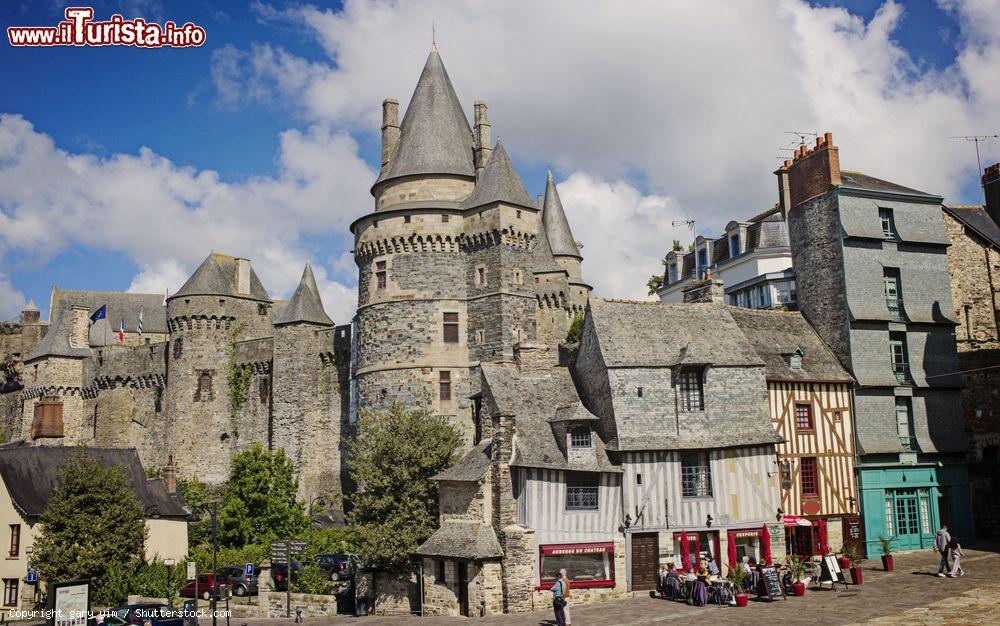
645	561
463	589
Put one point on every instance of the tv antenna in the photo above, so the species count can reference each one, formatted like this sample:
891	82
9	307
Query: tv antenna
976	139
689	222
800	140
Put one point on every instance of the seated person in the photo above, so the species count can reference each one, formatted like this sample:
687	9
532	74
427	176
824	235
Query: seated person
670	581
786	578
702	573
700	595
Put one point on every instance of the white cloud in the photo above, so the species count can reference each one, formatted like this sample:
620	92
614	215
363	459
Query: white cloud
11	300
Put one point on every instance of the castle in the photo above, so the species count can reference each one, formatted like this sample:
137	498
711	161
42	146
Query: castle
457	264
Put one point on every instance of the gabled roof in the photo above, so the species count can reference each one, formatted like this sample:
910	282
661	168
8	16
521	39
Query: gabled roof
560	237
462	540
499	182
776	335
56	340
473	465
435	136
864	181
976	219
216	276
31	474
306	304
662	334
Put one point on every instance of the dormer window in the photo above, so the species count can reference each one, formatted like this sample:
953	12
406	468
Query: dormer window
580	437
795	359
888	223
734	245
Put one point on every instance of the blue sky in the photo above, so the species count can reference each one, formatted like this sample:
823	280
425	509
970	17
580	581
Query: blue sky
202	114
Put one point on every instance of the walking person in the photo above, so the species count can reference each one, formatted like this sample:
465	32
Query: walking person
941	539
956	556
566	595
558	601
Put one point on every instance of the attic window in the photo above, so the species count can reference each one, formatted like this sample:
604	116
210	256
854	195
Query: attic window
795	360
579	437
692	393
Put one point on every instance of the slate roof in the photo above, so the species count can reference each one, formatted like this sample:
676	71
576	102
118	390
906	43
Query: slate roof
978	220
32	473
462	540
775	335
216	276
473	465
499	182
306	304
534	398
864	181
120	305
574	412
56	340
435	136
662	334
560	237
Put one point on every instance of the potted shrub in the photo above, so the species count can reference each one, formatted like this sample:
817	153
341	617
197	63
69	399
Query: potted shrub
799	572
886	549
854	563
739	577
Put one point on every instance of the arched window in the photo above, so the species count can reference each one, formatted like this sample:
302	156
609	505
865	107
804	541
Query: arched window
579	437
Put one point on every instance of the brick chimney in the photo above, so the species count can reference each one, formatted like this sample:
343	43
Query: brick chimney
243	276
531	356
390	129
991	187
170	475
813	171
483	148
79	327
708	290
784	189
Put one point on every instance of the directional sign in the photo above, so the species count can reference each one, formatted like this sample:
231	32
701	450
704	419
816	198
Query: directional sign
32	577
192	570
297	546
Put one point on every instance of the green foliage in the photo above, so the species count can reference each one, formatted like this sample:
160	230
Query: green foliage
575	329
691	247
394	456
885	545
93	521
850	552
154	580
253	553
798	568
737	575
311	580
240	377
654	283
198	496
677	247
259	504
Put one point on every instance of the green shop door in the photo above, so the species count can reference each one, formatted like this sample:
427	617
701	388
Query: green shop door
908	518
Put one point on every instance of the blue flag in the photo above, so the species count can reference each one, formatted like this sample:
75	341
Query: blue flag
99	314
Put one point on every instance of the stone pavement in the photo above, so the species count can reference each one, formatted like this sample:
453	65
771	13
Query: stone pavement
912	594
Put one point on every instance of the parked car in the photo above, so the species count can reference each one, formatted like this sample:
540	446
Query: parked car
338	566
239	582
279	574
145	614
207	583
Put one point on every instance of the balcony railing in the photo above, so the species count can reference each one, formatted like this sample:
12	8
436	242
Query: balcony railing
896	311
902	373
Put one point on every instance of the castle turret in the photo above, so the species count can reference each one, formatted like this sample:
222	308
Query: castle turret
561	242
222	303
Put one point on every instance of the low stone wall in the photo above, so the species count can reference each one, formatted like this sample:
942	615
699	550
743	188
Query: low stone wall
389	594
273	604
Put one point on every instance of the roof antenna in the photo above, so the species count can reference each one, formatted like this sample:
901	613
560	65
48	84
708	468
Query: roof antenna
976	139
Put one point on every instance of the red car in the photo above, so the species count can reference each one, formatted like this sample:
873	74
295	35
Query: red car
207	584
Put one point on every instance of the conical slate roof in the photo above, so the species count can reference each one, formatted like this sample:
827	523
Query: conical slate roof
499	182
56	341
216	276
305	305
435	136
556	225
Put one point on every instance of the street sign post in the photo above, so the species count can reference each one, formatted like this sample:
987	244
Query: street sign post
248	569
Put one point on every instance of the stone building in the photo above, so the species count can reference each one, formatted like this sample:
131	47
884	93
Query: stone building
456	264
974	263
217	367
871	266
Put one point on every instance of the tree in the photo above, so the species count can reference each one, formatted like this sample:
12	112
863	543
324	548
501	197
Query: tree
93	519
395	509
575	329
654	283
677	247
258	505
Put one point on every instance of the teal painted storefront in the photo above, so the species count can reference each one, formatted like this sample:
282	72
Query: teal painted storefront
910	502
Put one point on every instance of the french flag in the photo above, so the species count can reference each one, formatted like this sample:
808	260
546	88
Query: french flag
121	331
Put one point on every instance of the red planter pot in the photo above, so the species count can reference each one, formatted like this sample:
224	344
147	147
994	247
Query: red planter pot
845	563
742	599
799	589
856	575
887	563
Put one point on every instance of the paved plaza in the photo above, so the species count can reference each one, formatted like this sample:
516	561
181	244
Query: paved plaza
912	594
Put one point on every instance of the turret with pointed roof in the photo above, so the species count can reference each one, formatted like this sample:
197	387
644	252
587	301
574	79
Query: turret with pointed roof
306	304
499	182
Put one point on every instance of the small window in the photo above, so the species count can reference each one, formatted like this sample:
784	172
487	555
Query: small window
692	393
579	437
638	391
178	347
518	277
795	361
204	387
406	219
481	276
444	381
222	302
15	540
803	416
480	337
888	223
808	476
518	213
581	491
638	479
261	309
374	223
10	591
264	390
451	327
696	475
380	275
158	400
440	578
445	217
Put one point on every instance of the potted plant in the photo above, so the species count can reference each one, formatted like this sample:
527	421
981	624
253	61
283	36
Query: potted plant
886	549
739	577
799	572
854	562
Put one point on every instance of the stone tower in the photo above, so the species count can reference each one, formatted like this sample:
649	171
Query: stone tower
222	303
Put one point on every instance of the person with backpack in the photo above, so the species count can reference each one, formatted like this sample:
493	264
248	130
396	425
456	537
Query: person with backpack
956	556
941	539
558	598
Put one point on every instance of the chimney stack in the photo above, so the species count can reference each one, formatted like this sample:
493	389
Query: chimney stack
390	129
79	327
812	172
170	475
784	189
483	148
243	276
991	187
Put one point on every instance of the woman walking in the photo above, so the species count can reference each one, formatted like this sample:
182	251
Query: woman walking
956	556
558	601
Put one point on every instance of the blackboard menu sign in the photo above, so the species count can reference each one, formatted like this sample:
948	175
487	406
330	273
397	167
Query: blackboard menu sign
772	583
830	571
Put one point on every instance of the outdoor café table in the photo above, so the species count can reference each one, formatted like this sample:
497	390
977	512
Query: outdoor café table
721	591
